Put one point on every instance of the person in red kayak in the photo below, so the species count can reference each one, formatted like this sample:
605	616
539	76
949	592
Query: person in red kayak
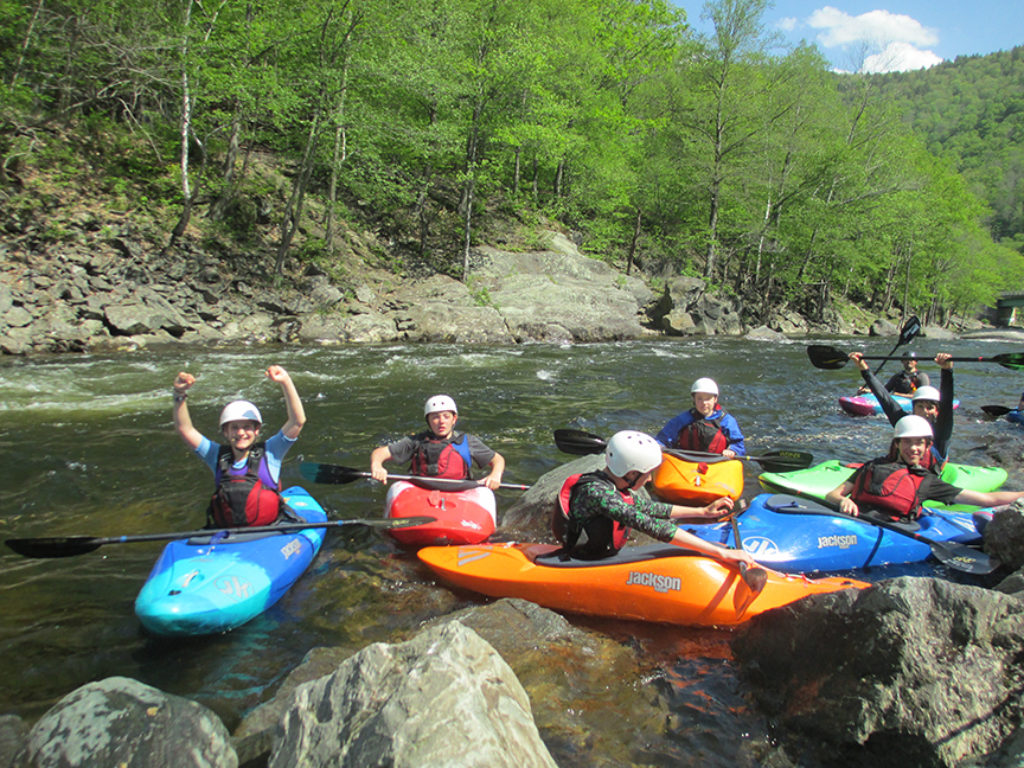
596	510
246	471
704	427
894	486
440	451
935	405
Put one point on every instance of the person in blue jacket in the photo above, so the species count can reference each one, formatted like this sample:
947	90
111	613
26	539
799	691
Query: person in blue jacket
704	427
935	405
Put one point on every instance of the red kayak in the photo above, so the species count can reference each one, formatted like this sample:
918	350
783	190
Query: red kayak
464	516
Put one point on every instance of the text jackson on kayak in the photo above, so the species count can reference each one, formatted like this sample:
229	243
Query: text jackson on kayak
704	427
246	472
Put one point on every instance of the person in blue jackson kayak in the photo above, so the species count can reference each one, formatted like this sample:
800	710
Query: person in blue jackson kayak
439	450
704	427
246	471
894	486
596	510
935	405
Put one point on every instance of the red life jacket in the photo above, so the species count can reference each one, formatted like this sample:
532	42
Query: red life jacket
891	487
703	435
604	535
243	497
434	457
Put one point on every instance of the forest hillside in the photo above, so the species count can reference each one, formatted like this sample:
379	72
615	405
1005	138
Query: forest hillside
396	134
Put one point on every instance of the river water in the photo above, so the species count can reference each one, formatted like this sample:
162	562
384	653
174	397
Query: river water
88	447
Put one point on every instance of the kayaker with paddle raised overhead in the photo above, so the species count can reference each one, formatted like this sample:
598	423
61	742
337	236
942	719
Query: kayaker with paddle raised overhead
704	427
596	510
246	471
894	486
440	451
935	405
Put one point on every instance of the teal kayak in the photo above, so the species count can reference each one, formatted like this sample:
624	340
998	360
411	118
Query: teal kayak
814	482
210	584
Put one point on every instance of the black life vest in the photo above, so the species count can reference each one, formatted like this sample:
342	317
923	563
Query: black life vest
704	434
890	487
604	535
243	498
433	457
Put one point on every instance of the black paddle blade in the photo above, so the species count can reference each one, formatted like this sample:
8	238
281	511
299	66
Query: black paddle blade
784	460
910	329
996	410
331	474
754	577
962	558
578	442
1012	360
824	356
55	546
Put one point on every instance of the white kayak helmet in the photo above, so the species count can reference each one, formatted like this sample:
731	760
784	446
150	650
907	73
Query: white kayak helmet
926	392
439	403
912	426
632	451
240	410
705	385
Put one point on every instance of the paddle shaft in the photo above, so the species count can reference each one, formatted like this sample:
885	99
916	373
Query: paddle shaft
446	480
335	474
755	578
76	545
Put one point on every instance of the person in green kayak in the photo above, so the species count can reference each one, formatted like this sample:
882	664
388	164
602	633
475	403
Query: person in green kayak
894	486
246	471
439	450
935	405
704	427
601	507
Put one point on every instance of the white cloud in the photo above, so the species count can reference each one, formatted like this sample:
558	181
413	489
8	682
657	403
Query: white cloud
789	23
896	39
900	57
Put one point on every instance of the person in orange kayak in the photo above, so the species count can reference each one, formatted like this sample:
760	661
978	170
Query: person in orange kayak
894	486
601	507
935	405
440	451
704	427
246	470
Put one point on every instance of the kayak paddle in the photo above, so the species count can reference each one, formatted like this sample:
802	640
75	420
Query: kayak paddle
755	578
998	410
334	474
957	556
67	546
830	358
910	329
580	443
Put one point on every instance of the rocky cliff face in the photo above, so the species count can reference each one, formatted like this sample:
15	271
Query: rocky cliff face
101	288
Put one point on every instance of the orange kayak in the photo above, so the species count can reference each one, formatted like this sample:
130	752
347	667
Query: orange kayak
657	582
679	481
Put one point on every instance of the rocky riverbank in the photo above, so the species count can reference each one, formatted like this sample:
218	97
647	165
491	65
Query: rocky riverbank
104	287
913	671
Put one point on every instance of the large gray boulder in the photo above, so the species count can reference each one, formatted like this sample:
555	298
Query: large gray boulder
444	698
122	722
914	671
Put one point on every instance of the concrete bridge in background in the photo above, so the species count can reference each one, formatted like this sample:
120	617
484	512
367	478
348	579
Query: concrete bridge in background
1008	308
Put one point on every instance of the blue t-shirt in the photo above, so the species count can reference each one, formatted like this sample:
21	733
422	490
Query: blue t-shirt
277	447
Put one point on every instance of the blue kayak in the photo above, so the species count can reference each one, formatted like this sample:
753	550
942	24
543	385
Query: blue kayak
794	534
1015	416
203	585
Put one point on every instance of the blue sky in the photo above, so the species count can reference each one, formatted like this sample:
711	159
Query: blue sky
897	35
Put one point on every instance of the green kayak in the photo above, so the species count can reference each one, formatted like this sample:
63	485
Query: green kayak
814	482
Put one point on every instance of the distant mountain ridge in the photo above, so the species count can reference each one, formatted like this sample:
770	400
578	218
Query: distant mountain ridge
971	111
